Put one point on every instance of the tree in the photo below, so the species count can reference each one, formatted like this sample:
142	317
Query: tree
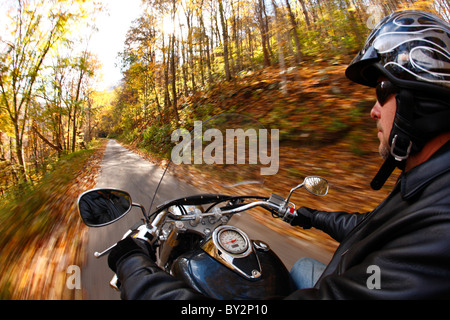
21	61
298	55
35	28
84	68
225	41
280	50
173	66
264	31
169	69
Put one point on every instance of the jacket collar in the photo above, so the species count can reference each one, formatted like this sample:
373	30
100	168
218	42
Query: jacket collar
415	180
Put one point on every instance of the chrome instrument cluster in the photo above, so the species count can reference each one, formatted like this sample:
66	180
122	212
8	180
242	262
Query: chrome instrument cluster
232	240
233	248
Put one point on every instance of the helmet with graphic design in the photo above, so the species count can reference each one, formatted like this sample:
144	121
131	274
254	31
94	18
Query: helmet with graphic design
411	49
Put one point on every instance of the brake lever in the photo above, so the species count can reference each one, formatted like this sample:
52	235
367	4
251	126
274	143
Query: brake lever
106	251
135	227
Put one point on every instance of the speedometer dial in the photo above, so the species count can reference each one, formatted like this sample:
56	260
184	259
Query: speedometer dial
232	241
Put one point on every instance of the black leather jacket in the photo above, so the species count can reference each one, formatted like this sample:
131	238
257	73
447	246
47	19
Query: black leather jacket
406	238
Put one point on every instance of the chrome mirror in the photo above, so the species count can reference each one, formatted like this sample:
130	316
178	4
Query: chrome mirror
100	207
316	185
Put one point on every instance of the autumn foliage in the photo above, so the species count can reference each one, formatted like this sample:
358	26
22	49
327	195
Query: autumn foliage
280	61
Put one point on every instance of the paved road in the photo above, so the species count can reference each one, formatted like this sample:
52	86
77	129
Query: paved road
123	169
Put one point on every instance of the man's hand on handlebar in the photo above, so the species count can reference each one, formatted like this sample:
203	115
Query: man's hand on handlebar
127	247
303	218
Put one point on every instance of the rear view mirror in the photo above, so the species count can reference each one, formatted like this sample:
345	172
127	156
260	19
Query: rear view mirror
316	185
100	207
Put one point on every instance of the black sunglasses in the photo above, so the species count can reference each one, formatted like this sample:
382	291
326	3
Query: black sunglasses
384	90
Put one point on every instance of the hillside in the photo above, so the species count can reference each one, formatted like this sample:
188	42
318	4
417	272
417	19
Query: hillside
325	129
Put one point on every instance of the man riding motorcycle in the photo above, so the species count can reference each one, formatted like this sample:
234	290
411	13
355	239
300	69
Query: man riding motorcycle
400	249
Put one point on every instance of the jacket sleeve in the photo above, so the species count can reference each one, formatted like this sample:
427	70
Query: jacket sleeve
413	264
336	224
402	271
141	279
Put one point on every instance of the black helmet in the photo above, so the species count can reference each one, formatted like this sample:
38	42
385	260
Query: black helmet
412	50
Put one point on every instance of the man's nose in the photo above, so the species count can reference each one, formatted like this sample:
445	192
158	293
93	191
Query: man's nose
375	113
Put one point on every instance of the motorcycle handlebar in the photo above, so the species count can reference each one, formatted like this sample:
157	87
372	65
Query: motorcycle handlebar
252	205
281	210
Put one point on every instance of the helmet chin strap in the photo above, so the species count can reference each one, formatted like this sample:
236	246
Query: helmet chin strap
401	139
384	173
410	131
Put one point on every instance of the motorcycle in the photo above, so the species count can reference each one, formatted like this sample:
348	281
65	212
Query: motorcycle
191	233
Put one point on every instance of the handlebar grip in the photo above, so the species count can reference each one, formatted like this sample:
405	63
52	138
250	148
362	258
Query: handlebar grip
289	215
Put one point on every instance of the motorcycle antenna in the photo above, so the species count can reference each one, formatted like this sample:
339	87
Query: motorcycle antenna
157	187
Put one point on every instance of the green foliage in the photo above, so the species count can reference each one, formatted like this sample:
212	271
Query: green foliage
42	216
157	139
42	93
168	81
25	213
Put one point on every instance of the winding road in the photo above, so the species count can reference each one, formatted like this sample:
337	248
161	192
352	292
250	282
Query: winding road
125	170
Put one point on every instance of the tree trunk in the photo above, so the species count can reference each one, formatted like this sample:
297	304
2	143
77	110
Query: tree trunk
305	13
284	89
174	79
225	42
43	138
23	177
263	30
298	56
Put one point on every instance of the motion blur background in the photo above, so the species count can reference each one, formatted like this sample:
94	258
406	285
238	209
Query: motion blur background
74	74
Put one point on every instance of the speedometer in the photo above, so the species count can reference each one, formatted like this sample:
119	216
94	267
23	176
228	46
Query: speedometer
232	241
232	247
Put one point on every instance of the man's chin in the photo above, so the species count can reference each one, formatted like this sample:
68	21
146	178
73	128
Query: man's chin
384	151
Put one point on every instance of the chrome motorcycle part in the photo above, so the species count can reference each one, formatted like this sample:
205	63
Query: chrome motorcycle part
232	241
231	247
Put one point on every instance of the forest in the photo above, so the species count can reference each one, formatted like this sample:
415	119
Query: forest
182	60
280	61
